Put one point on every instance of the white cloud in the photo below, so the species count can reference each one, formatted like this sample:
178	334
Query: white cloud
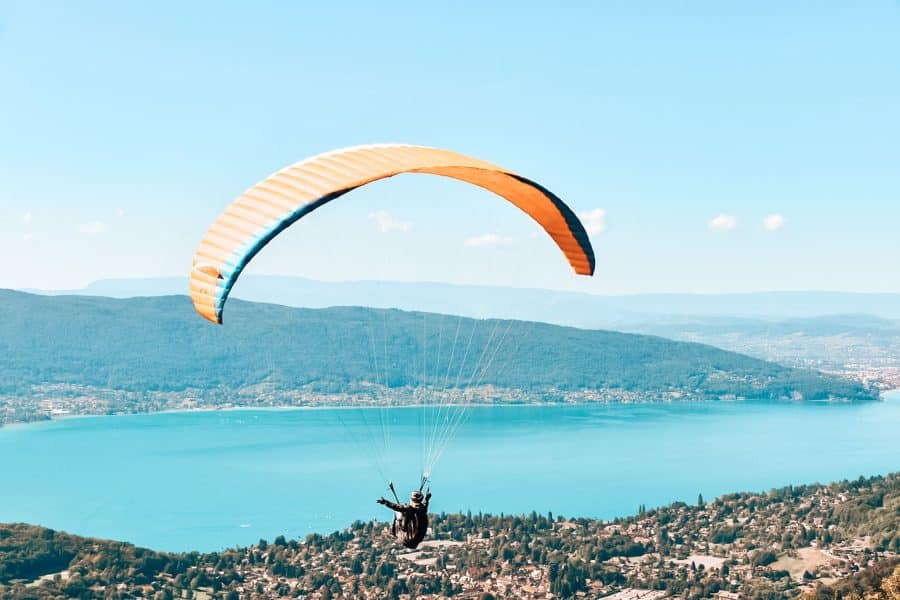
594	220
386	223
723	223
27	237
773	222
27	218
120	213
488	239
92	228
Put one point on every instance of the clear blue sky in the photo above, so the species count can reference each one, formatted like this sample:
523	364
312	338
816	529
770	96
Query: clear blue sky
126	127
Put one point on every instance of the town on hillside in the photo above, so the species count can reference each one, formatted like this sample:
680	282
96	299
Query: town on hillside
814	541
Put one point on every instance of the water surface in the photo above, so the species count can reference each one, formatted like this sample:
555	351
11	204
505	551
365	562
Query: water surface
208	480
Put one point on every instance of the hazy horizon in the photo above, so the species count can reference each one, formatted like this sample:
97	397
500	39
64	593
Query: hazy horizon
662	292
565	307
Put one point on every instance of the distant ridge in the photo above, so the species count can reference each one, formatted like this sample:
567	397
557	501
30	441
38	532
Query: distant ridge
160	344
551	306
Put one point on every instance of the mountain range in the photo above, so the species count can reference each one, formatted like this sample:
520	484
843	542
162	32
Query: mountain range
160	344
830	330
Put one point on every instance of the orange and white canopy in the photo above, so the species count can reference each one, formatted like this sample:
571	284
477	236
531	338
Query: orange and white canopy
275	203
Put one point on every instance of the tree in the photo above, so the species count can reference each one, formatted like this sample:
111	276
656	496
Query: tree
396	589
357	566
891	585
447	586
763	558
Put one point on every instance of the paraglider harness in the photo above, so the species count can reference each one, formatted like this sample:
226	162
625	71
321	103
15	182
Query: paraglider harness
410	520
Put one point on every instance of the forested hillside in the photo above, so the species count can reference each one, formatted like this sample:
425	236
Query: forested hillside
160	344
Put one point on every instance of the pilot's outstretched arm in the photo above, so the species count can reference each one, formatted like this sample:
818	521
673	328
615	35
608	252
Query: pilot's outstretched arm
389	504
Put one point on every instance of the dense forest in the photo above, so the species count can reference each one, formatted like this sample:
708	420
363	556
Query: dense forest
160	344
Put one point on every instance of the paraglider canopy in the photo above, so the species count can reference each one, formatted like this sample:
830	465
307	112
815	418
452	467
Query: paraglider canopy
273	204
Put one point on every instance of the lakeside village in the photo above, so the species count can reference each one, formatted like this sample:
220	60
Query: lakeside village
51	401
836	541
60	400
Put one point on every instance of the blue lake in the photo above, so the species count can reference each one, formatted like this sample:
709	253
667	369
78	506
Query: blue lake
208	480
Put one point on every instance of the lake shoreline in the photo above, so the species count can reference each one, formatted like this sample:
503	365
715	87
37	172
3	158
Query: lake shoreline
882	397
